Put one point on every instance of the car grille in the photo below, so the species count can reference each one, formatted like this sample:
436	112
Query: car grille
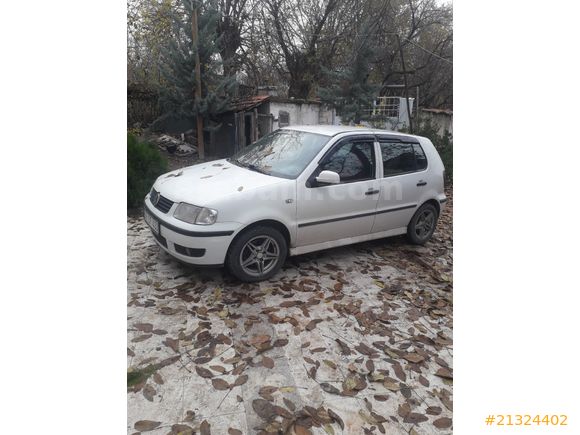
160	202
160	239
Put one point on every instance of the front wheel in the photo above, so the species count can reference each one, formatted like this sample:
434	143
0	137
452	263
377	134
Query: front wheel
257	254
422	224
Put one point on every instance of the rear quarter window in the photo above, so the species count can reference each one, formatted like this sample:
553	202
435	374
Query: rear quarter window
420	157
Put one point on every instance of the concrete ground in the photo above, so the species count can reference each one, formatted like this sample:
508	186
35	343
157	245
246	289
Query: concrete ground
352	340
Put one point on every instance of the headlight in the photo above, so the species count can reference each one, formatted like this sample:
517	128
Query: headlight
195	215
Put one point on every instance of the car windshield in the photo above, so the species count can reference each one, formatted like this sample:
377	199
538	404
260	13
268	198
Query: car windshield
283	153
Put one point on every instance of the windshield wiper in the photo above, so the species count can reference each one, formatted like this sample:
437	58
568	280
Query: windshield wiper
256	169
250	166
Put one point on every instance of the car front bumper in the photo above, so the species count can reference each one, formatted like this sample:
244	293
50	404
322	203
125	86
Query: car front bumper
194	244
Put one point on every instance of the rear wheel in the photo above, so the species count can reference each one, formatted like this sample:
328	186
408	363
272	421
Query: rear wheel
257	254
422	224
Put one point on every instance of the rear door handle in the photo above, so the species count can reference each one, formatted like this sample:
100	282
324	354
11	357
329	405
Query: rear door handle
372	192
421	183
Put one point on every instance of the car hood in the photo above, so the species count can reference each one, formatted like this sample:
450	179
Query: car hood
204	183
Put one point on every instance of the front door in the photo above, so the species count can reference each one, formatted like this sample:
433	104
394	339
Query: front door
337	211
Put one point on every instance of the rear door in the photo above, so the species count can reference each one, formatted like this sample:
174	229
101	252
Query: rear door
336	211
404	170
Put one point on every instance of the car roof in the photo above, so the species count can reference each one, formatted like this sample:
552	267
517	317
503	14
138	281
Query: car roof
333	130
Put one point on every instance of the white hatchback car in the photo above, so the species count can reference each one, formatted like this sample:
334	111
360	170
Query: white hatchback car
297	190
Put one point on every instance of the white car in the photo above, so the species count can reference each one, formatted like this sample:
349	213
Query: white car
297	190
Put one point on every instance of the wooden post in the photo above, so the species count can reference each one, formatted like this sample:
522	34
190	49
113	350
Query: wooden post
197	92
417	109
405	81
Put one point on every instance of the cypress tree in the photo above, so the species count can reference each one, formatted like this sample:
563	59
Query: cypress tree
349	89
178	67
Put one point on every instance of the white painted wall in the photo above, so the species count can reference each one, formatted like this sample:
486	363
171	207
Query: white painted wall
302	113
443	121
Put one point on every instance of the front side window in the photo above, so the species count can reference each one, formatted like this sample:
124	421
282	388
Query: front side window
353	161
398	158
283	153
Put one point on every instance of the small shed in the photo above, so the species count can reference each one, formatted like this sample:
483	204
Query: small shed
249	118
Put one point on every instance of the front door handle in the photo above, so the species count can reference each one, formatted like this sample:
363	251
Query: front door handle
372	192
421	183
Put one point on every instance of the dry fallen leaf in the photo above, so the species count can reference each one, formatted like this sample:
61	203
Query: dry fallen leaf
146	425
143	327
392	386
158	379
203	372
241	380
336	418
414	357
444	373
399	372
280	342
329	388
181	429
220	384
343	347
205	428
149	392
301	430
443	423
278	410
330	364
218	369
141	338
268	362
415	417
263	408
433	410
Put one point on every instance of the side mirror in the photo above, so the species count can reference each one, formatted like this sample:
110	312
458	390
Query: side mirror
328	177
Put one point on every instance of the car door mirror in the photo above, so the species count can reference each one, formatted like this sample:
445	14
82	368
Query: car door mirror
328	177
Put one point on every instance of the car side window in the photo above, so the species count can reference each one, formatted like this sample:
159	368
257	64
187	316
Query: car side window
398	158
420	157
352	160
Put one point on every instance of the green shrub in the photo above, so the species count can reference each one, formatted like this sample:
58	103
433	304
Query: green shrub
144	165
443	143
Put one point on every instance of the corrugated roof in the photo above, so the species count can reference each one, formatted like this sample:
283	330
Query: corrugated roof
247	103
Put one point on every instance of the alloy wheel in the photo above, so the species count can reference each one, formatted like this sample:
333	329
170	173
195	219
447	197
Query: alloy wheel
425	224
259	255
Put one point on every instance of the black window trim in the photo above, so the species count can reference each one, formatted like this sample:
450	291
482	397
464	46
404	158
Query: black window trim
399	139
339	142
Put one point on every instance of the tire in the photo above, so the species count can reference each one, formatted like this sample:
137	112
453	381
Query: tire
422	224
257	254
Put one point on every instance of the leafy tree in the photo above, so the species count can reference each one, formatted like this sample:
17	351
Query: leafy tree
148	32
303	35
233	18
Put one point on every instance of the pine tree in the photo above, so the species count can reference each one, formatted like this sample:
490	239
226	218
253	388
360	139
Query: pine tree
178	67
350	90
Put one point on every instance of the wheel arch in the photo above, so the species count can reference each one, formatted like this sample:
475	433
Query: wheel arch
267	223
434	202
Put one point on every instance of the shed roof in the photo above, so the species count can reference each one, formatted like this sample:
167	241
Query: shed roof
438	111
247	103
